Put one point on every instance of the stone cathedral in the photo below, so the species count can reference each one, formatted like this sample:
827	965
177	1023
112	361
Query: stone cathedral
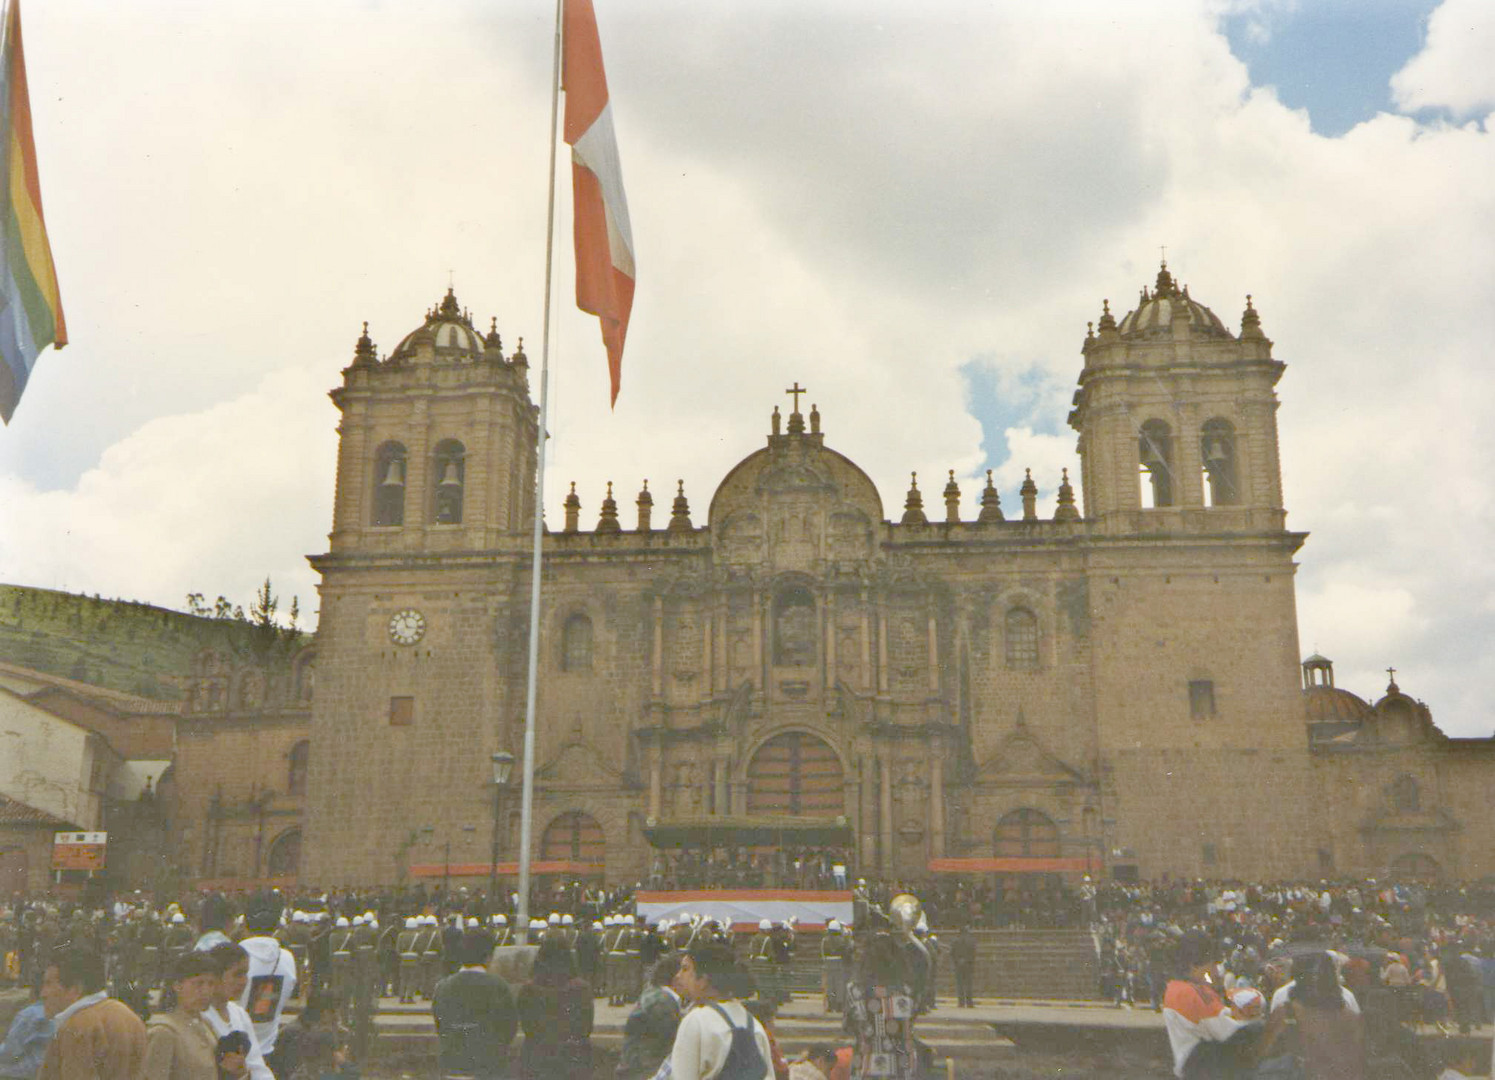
948	684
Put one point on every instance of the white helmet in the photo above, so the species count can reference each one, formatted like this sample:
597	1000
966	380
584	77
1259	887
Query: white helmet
358	920
342	921
500	920
765	925
596	925
553	920
833	926
472	923
567	920
537	924
411	922
627	920
609	920
178	917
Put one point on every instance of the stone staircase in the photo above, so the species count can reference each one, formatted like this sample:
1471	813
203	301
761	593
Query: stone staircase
1056	965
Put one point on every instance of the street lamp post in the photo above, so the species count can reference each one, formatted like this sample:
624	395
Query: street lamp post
503	766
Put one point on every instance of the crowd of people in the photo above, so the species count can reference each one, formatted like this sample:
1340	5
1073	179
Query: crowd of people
1237	970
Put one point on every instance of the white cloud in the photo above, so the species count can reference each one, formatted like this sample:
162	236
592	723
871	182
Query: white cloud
211	501
1453	70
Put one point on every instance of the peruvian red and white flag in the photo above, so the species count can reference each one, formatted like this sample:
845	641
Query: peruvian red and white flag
604	243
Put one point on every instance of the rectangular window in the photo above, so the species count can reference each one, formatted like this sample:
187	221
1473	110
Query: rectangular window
1201	698
1208	855
401	711
1326	859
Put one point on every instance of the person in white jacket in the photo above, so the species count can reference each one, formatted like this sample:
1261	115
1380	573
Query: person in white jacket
224	1013
712	980
272	971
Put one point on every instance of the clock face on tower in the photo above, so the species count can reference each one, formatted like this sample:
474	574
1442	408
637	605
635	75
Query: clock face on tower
407	627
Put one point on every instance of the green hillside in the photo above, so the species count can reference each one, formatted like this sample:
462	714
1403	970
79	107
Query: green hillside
119	644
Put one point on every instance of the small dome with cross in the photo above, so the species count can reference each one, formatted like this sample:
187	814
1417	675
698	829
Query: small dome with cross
447	330
1154	315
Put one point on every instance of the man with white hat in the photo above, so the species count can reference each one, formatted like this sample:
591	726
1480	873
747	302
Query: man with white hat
407	946
430	955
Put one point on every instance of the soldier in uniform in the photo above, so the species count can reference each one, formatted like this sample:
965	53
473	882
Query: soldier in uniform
365	940
587	954
613	955
835	951
295	936
150	937
430	957
340	944
963	957
633	960
502	934
568	932
387	957
451	944
408	946
179	936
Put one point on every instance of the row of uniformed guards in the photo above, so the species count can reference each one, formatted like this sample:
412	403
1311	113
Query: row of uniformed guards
622	963
419	951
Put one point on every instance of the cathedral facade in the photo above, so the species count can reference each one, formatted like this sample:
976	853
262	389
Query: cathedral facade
949	685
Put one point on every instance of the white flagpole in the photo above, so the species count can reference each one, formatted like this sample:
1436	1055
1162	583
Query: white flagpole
527	798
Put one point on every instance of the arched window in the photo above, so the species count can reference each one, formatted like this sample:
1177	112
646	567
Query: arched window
285	854
1406	798
1155	453
574	836
1027	833
794	627
576	644
296	778
450	473
389	484
1022	638
1217	452
795	774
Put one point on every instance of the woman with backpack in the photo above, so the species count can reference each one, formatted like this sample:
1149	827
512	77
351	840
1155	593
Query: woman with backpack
718	1039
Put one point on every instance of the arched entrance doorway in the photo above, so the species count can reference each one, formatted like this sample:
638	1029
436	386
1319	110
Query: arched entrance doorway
795	774
285	854
575	837
1025	897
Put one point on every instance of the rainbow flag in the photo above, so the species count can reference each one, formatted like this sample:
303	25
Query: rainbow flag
30	306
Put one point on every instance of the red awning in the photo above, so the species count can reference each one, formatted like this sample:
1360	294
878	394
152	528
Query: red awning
1013	864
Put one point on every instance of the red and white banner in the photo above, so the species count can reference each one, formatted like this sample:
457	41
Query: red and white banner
743	908
604	244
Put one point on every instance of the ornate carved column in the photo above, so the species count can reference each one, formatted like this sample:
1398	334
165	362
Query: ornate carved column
708	674
936	802
934	653
658	647
721	673
655	782
885	810
758	641
722	797
882	644
829	652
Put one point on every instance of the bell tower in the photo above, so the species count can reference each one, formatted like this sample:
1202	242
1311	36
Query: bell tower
436	448
1177	419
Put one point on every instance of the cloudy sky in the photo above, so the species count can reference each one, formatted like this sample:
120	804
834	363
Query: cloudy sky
911	208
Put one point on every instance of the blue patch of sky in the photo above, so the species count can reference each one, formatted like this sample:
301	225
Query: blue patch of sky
1334	58
1000	400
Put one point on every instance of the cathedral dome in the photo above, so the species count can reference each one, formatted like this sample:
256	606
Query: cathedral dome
1155	313
1330	705
448	331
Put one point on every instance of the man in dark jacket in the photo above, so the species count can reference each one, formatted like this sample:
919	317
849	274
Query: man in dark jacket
649	1032
475	1015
